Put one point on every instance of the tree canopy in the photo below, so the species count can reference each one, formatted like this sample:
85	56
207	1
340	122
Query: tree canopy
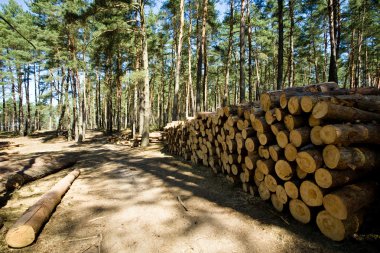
73	65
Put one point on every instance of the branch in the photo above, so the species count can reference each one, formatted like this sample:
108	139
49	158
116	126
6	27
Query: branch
11	26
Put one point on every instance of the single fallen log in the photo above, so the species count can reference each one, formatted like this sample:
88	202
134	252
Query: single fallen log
42	167
356	158
336	229
346	134
326	178
24	231
346	201
327	110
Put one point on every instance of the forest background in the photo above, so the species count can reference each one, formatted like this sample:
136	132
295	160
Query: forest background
79	64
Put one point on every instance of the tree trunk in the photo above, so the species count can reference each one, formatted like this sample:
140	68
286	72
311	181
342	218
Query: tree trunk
280	54
291	45
28	117
251	89
201	47
242	52
190	79
228	63
4	108
178	61
145	132
334	39
20	102
205	75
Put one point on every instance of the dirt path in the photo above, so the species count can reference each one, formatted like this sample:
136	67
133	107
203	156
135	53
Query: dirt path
125	200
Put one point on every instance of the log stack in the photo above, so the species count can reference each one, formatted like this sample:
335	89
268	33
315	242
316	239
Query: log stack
311	150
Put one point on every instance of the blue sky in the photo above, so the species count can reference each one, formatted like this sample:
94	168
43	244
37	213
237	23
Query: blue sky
221	6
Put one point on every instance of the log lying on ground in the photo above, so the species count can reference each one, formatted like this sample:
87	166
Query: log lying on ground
346	134
43	166
336	229
24	231
5	144
346	201
356	158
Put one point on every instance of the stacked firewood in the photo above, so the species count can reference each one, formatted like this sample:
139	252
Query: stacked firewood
311	150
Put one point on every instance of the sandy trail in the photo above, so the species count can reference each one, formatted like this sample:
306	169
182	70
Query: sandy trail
126	200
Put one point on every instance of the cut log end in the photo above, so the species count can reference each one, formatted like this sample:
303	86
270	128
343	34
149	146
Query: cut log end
307	103
308	161
315	135
323	178
294	105
335	206
331	156
290	152
20	236
281	194
335	229
328	134
291	189
282	138
311	194
299	211
264	191
320	110
277	204
283	170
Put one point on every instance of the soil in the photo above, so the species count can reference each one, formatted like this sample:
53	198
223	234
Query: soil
126	200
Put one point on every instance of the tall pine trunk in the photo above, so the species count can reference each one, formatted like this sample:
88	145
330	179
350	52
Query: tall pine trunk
229	51
251	89
20	102
291	45
334	39
145	132
242	53
190	79
28	117
280	50
178	60
201	47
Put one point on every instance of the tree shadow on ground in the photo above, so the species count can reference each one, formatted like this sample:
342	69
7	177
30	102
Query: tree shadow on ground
181	177
117	183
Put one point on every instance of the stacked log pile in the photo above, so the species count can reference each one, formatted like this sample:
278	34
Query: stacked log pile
311	150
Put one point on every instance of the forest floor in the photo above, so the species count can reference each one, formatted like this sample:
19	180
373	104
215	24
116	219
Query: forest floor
126	200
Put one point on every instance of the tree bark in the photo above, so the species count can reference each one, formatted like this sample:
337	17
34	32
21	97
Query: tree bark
334	39
229	51
201	46
28	116
145	132
280	52
20	102
190	79
178	61
291	44
242	52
